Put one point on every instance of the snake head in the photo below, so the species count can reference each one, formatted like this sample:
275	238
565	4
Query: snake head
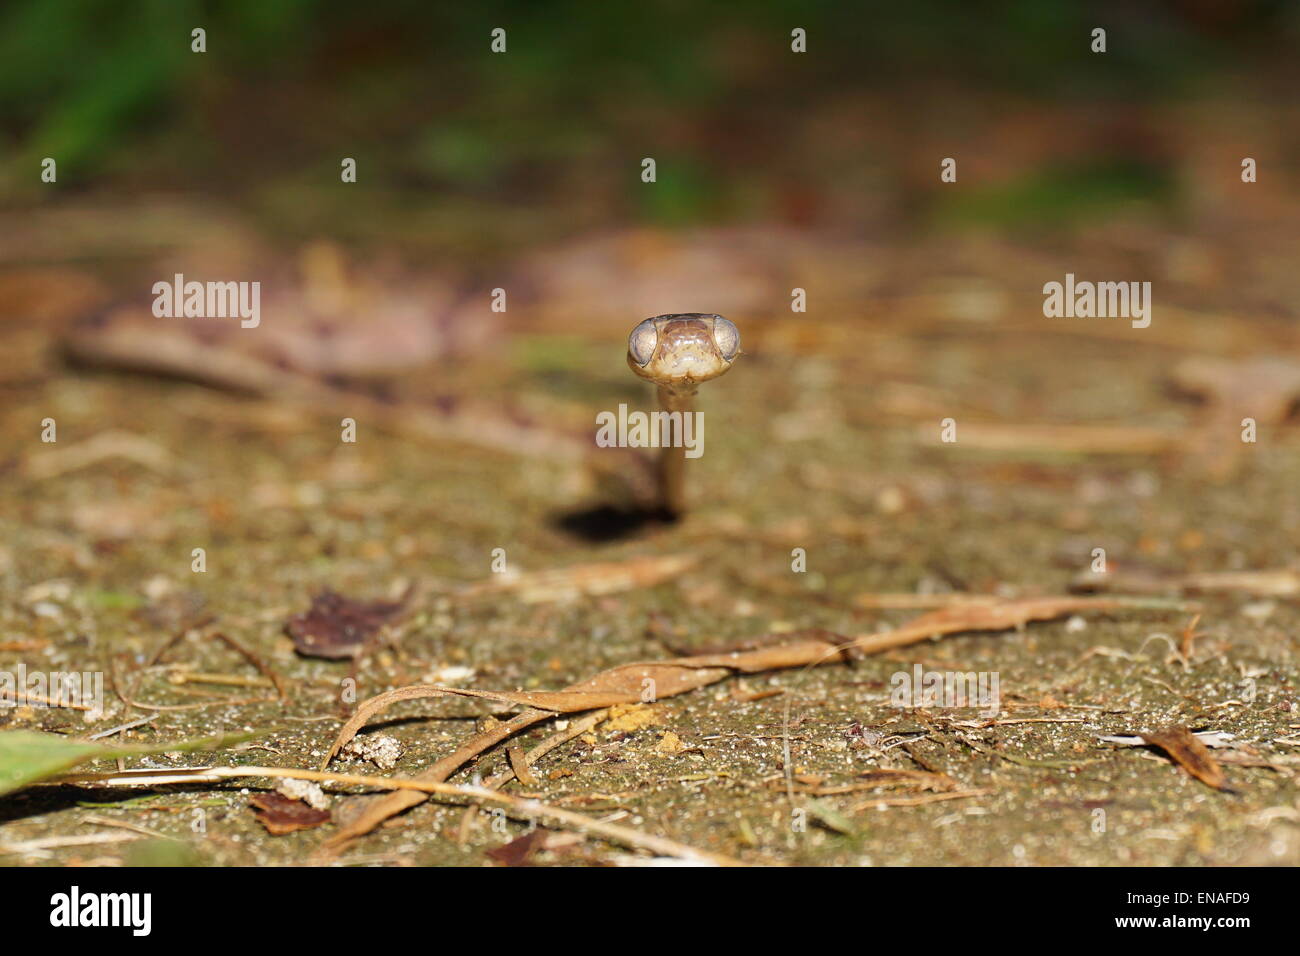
680	351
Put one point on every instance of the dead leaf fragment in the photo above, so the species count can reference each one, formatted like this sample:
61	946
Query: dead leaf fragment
1189	753
281	815
338	627
517	851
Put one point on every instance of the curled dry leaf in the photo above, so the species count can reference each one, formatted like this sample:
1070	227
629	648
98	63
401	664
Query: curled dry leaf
281	814
630	682
519	764
1191	754
338	627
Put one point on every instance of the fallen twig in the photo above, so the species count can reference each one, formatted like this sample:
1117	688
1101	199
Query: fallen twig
529	809
630	683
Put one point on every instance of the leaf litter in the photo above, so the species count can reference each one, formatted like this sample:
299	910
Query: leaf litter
613	688
628	683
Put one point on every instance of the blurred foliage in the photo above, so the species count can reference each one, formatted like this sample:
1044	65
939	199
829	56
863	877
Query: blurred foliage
159	852
111	89
1086	190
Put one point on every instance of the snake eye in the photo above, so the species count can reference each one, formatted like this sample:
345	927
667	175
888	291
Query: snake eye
726	336
641	343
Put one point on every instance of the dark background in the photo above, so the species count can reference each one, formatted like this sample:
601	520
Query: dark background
547	139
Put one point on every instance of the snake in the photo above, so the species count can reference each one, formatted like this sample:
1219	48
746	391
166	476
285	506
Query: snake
678	352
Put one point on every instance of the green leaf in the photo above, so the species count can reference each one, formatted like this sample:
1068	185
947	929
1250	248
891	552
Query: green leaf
830	818
28	756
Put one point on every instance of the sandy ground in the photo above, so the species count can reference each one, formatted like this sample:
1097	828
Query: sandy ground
823	440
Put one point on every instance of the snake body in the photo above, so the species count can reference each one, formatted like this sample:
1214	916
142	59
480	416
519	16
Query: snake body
677	352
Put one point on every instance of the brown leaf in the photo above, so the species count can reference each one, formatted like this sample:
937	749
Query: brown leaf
1190	754
338	627
517	852
281	815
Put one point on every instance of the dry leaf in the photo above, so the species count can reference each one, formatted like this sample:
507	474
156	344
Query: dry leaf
281	815
338	627
517	851
1190	754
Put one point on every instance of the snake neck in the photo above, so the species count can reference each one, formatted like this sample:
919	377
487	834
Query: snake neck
681	399
672	461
